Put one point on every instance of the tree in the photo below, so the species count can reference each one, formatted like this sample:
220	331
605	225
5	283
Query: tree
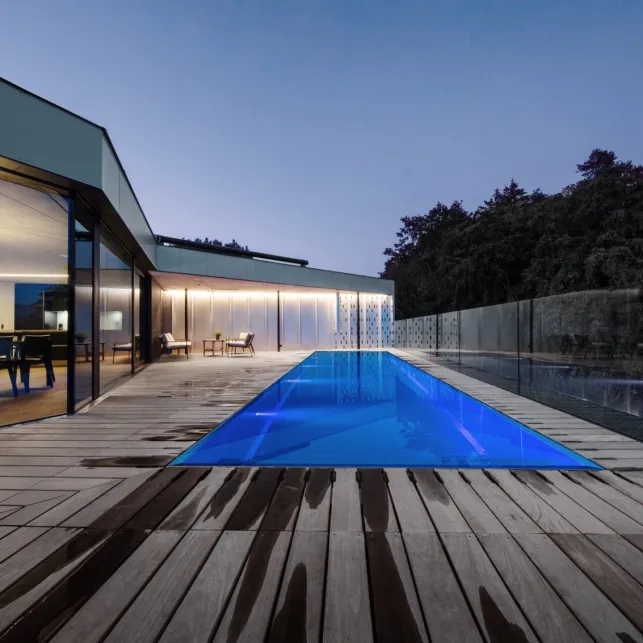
519	245
216	242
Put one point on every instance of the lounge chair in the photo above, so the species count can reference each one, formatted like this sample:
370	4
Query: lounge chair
170	344
126	347
244	343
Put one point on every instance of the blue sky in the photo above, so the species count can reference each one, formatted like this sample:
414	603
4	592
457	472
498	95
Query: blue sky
309	127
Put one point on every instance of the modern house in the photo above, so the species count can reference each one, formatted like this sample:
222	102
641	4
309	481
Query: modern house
87	288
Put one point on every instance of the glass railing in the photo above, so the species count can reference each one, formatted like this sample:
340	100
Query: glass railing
581	352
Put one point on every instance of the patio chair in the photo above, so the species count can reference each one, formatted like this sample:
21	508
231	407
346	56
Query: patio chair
244	343
170	344
8	361
127	346
36	349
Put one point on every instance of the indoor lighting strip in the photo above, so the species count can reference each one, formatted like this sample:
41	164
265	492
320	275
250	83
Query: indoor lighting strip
266	293
25	276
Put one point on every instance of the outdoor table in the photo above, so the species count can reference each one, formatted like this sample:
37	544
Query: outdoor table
214	343
87	346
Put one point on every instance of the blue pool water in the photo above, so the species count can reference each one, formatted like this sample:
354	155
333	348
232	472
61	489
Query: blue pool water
350	408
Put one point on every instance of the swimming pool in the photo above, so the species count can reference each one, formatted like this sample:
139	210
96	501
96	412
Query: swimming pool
370	408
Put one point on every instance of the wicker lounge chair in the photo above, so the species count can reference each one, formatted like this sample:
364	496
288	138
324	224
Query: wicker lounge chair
244	343
170	344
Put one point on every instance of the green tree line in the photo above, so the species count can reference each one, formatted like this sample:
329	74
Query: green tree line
521	245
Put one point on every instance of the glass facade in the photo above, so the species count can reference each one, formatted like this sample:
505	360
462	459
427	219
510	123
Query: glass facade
72	315
116	314
34	295
83	306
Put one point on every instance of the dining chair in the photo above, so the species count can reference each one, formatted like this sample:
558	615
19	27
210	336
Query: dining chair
8	361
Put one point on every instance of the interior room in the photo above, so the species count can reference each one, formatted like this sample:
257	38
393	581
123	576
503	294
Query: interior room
34	313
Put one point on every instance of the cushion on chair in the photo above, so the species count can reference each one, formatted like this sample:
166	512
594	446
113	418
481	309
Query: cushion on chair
176	344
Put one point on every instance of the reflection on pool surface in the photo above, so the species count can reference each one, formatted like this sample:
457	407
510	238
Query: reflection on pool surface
370	408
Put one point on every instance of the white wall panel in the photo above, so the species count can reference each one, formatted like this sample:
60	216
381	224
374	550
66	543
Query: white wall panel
307	321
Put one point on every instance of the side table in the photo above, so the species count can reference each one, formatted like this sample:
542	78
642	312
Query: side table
213	346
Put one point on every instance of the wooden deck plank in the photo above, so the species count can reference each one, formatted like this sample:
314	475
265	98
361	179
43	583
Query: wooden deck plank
610	494
225	501
590	606
67	508
103	609
248	614
447	614
25	593
202	607
299	606
347	614
252	507
622	552
5	531
19	483
548	615
32	554
584	521
33	504
104	503
444	513
620	587
495	609
193	505
283	510
545	516
396	610
605	512
314	511
377	508
346	514
513	518
147	616
409	509
15	538
476	513
635	477
622	484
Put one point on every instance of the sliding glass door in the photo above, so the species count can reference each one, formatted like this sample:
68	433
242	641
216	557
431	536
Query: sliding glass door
34	313
116	314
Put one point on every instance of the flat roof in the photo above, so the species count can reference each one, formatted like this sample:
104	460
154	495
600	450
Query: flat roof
45	141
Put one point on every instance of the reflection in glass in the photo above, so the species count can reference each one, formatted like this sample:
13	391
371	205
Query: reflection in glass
115	314
83	306
138	324
33	302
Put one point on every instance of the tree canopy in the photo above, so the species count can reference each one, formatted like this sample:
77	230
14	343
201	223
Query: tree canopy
216	242
520	245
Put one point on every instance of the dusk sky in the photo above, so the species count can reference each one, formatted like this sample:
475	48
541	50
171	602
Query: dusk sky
309	127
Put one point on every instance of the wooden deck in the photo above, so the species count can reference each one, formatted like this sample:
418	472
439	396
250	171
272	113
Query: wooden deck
201	554
101	542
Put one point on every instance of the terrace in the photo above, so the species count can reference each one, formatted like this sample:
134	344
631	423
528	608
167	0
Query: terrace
100	540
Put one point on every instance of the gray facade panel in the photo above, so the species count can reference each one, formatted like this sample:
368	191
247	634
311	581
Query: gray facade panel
193	262
118	191
37	133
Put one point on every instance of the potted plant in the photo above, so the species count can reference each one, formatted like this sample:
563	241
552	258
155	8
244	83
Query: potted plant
217	334
81	337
